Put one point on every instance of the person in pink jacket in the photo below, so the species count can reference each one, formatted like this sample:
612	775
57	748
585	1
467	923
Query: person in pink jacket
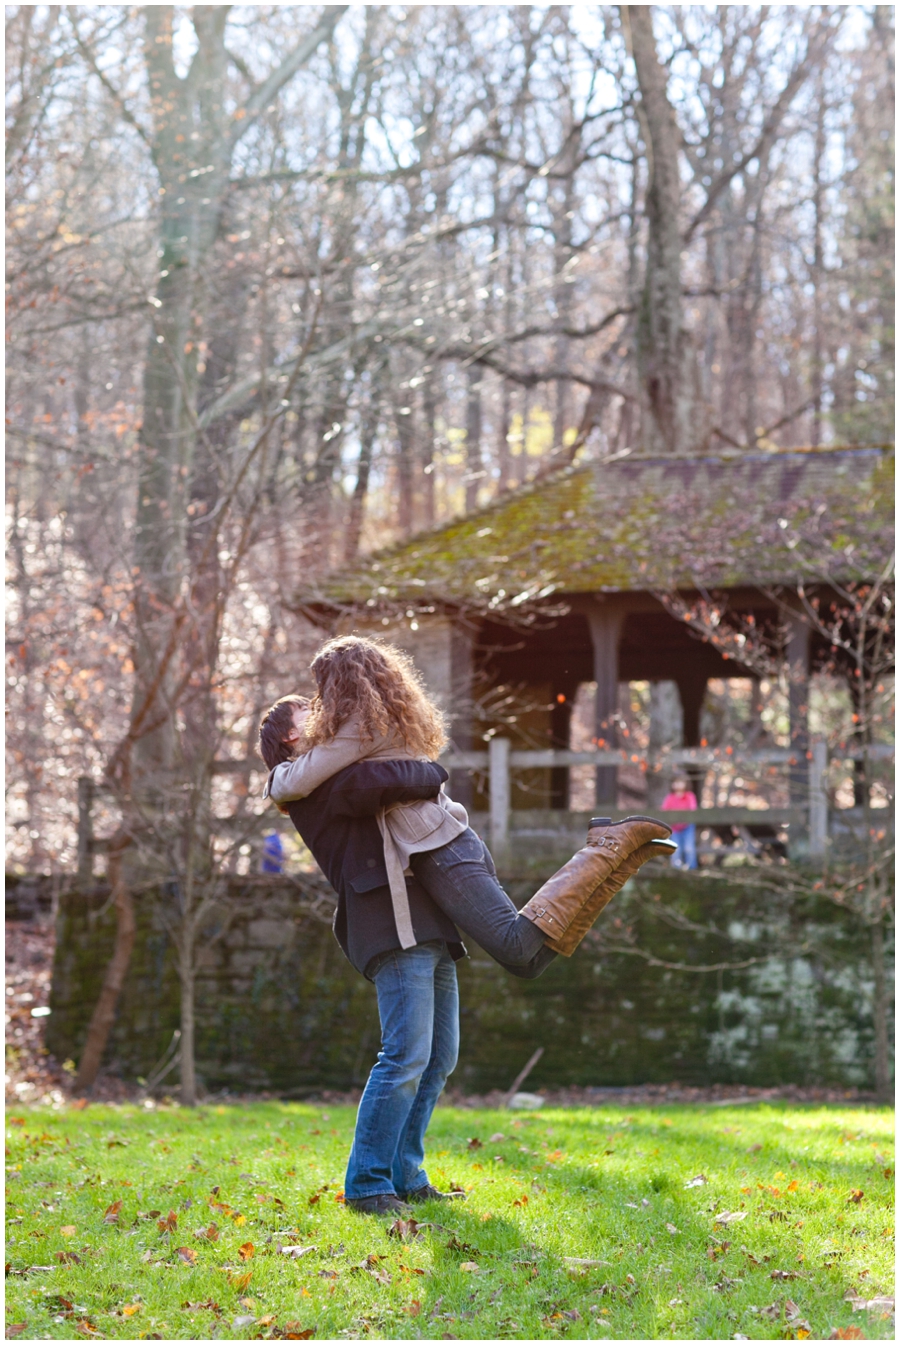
681	798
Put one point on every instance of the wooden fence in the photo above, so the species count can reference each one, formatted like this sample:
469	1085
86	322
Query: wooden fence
812	819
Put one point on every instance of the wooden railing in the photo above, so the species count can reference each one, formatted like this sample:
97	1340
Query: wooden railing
501	759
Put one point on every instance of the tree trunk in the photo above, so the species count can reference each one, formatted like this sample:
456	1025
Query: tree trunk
193	172
187	974
666	359
405	464
367	432
429	445
474	461
880	1007
104	1013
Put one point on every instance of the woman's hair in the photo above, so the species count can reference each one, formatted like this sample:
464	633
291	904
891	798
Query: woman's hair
379	686
274	726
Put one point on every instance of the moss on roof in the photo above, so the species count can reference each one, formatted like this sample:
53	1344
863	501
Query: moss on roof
641	524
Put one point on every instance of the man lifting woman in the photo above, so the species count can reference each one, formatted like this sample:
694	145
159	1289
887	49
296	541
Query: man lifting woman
355	769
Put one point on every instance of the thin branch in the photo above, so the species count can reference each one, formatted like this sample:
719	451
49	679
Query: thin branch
260	100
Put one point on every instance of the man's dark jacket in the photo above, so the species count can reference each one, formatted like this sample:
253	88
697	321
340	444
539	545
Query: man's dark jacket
337	823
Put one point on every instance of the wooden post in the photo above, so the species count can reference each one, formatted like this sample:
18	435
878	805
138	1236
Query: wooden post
797	655
606	628
818	801
498	766
85	873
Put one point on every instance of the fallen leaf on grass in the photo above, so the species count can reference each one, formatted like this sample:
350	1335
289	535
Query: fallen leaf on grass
523	1200
474	1143
239	1282
211	1233
498	1138
855	1197
69	1258
238	1322
186	1254
414	1308
454	1245
294	1331
784	1275
846	1333
169	1224
670	1228
700	1180
18	1327
879	1304
468	1266
68	1230
208	1305
406	1230
732	1217
295	1252
130	1309
112	1214
245	1252
754	1149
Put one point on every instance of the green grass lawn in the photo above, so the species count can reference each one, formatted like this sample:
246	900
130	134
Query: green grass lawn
674	1222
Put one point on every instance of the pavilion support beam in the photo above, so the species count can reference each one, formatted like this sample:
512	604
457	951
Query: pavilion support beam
692	690
560	724
606	630
461	707
797	659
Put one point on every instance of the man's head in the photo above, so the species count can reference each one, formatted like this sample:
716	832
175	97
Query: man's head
281	728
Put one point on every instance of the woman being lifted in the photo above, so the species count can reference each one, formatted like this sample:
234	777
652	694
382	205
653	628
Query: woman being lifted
355	770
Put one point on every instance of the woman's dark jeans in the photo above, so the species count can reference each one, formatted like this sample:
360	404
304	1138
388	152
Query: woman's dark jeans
461	879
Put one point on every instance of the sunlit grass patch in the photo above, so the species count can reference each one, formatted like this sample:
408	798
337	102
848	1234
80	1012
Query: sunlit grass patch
676	1222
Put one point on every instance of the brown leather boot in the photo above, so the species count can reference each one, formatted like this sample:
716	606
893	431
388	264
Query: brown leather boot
568	942
555	906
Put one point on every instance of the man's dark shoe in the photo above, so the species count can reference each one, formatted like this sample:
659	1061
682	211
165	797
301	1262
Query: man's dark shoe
385	1203
429	1192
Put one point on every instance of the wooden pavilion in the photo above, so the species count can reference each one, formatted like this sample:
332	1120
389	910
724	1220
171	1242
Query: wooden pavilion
583	576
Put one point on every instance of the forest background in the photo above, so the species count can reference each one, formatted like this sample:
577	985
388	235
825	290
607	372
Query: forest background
287	283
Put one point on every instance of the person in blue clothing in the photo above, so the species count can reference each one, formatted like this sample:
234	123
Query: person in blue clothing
682	799
273	853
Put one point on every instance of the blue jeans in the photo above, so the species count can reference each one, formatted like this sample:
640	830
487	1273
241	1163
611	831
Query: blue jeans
418	1004
461	879
686	855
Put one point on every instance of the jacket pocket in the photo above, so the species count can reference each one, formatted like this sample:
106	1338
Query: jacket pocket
414	822
370	879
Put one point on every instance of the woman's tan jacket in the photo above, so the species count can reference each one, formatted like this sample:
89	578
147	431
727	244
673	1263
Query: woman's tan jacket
406	828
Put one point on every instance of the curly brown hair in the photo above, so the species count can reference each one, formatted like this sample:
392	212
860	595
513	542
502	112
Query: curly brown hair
274	727
380	686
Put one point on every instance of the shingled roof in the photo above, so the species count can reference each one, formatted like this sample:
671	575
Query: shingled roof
640	523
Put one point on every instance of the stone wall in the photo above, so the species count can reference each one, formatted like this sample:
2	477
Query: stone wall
279	1008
